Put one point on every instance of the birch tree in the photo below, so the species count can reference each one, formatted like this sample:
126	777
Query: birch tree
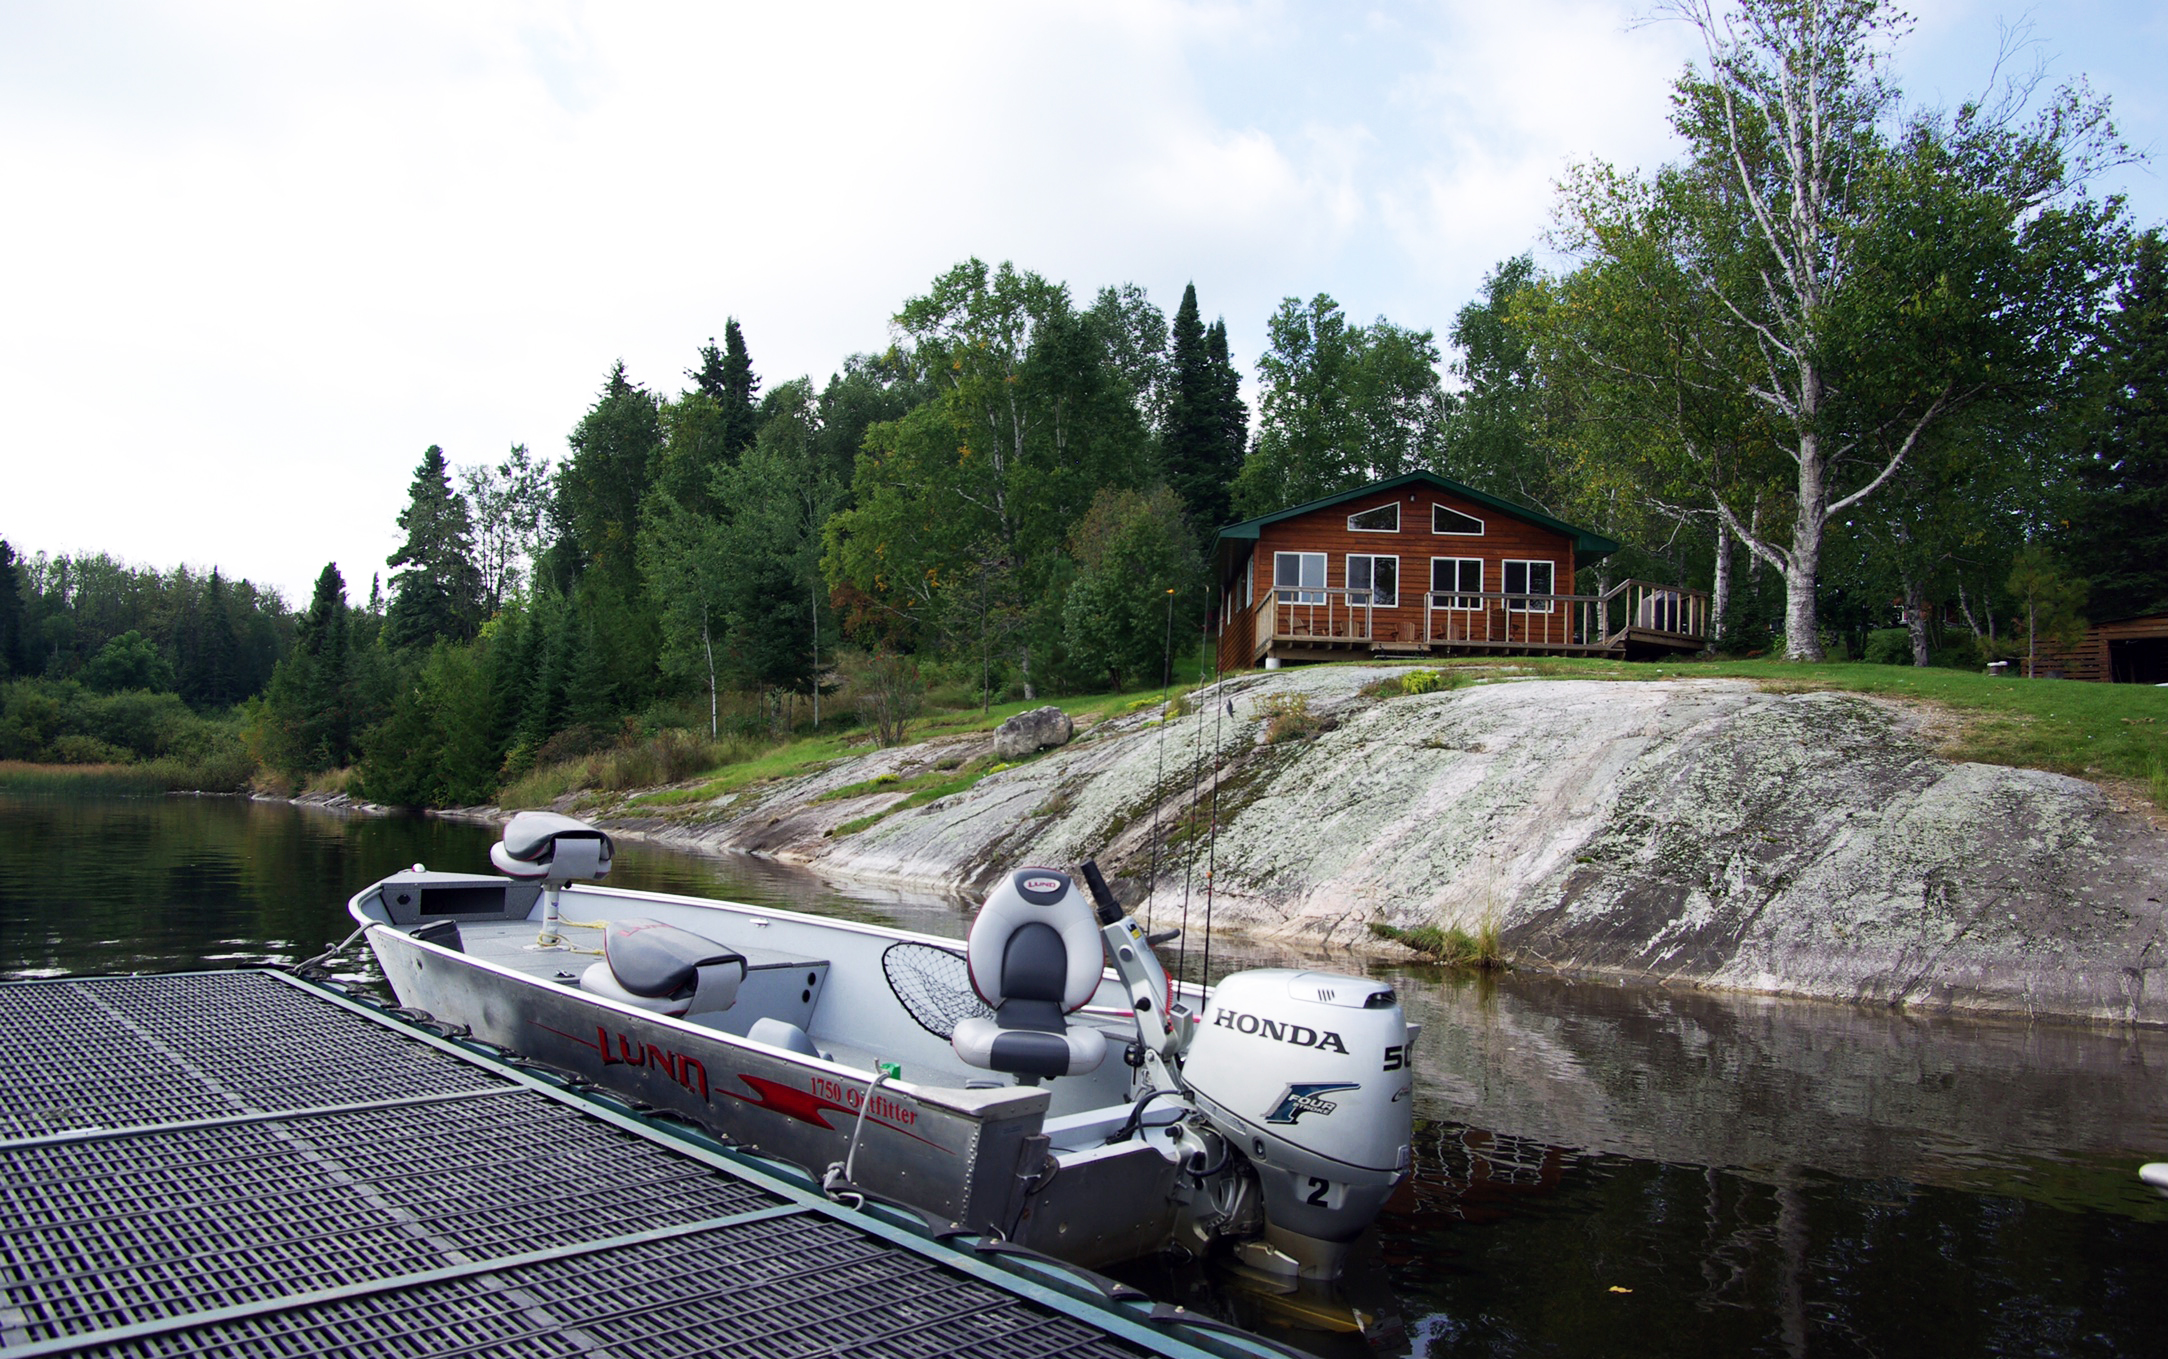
1856	278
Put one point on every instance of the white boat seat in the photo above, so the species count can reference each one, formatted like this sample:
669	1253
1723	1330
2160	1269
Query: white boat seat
665	969
551	849
1035	956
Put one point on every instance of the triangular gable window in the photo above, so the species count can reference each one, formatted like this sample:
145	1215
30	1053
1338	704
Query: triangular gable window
1383	519
1445	520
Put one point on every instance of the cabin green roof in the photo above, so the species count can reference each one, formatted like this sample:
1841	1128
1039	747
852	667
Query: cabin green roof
1587	546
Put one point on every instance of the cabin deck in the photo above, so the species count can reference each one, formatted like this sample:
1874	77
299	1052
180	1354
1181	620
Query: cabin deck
1632	620
243	1163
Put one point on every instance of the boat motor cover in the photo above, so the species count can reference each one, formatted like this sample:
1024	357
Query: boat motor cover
1034	954
660	966
549	848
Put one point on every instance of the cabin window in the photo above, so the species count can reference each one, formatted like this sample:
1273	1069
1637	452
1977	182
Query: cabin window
1299	577
1373	580
1383	519
1456	582
1451	521
1528	578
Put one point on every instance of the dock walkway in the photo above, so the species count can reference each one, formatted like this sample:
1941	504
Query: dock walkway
245	1163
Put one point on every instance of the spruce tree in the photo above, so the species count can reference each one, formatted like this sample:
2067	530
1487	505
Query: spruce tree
14	647
741	414
1232	417
1189	443
2118	534
308	705
437	593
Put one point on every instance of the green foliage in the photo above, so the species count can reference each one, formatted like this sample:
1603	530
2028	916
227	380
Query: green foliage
1288	718
14	639
61	722
886	692
1205	429
437	589
2118	529
2049	600
1415	682
506	504
1455	947
1342	405
962	505
1770	332
1888	646
1136	590
314	707
129	661
220	637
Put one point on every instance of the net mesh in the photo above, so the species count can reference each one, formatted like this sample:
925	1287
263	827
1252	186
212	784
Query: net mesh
934	984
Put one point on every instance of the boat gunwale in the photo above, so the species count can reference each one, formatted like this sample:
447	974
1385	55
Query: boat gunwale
1001	1102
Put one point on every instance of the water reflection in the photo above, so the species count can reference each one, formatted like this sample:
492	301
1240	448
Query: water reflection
1598	1169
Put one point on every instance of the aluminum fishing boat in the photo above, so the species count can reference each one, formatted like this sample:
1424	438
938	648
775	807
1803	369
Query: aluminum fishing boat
1044	1080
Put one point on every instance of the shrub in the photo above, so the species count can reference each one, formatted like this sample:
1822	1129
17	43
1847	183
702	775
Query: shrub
1888	646
885	691
1288	718
1414	682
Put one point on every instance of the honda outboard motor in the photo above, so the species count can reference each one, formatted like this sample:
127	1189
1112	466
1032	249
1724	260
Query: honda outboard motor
1303	1074
1306	1073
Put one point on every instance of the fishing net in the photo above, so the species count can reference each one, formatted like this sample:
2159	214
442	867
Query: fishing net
934	984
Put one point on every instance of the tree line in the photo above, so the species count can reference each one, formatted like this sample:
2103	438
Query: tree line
1880	377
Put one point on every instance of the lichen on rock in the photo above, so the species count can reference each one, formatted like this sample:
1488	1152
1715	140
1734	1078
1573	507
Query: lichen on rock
1686	831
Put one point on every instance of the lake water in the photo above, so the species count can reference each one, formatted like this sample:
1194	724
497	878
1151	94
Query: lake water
1600	1170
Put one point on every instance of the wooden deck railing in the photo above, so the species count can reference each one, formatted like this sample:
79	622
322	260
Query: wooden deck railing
1485	618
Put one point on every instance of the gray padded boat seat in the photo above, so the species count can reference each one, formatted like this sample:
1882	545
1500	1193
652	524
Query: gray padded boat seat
1034	955
551	849
665	969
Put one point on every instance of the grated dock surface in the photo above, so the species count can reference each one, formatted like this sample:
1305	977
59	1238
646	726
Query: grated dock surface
236	1163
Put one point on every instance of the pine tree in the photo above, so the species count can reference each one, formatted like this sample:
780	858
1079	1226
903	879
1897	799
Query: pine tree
437	594
2118	535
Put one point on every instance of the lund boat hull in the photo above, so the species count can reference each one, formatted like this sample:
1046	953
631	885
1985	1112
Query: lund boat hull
977	1157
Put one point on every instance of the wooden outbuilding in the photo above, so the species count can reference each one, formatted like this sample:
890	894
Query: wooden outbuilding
2126	651
1422	565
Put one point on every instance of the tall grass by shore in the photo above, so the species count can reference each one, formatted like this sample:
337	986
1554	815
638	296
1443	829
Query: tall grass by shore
172	774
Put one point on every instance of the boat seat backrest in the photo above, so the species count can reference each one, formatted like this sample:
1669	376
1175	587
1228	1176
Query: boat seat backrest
661	967
551	849
1035	956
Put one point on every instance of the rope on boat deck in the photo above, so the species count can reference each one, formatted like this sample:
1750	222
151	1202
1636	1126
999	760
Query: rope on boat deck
838	1182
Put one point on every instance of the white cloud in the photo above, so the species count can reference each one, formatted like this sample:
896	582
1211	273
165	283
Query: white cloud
261	255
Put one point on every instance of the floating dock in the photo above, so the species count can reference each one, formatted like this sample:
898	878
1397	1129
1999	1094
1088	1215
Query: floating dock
246	1163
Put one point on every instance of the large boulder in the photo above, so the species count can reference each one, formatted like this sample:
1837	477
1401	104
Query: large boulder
1036	730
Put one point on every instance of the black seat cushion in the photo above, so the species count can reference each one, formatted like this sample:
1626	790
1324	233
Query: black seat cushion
1035	966
649	958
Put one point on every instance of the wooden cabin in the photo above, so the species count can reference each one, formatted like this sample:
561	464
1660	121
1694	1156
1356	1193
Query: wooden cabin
2125	651
1419	565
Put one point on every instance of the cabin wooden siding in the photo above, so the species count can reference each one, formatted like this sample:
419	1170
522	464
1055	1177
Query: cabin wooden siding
1504	537
2090	659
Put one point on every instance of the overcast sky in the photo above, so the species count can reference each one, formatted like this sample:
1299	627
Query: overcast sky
259	256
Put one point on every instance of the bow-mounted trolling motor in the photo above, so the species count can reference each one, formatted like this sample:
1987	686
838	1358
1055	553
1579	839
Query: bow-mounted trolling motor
1297	1081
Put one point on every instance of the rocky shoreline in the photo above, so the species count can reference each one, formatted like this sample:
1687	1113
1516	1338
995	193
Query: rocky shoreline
1687	832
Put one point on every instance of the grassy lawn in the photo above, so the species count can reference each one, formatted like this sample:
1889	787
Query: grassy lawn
2108	732
2113	731
807	753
